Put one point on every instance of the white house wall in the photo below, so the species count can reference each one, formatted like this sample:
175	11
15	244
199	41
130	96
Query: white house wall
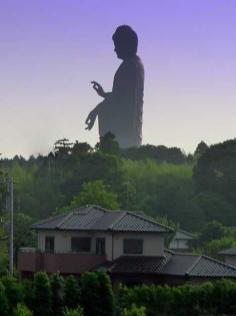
153	244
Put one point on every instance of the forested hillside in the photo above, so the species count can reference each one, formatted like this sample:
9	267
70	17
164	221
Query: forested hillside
164	182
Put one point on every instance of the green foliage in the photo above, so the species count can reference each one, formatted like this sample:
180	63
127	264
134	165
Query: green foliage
212	230
14	291
23	235
106	301
22	310
135	311
96	288
216	171
28	293
95	193
57	289
108	145
205	299
74	312
90	296
157	180
42	295
3	301
72	293
213	238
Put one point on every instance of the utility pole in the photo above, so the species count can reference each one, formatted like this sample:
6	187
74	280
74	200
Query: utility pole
10	185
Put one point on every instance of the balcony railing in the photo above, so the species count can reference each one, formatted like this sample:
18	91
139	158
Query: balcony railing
32	260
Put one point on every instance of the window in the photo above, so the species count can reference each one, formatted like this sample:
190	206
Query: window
133	246
49	244
100	246
80	244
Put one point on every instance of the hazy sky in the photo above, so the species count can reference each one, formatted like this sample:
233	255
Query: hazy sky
50	50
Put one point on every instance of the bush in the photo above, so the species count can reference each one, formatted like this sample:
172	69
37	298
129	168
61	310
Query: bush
90	298
106	300
14	292
74	312
57	288
42	295
22	310
135	311
72	293
28	293
3	301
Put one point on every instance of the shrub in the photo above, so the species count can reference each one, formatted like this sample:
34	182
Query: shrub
74	312
106	299
57	288
22	310
72	293
42	295
3	301
14	292
134	311
90	297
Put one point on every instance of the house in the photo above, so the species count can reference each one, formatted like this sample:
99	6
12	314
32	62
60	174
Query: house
128	246
181	240
229	255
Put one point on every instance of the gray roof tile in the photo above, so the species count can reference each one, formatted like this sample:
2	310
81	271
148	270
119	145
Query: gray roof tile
173	264
96	218
179	264
210	267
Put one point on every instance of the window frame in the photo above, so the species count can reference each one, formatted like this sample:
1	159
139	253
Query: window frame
103	240
48	240
81	250
132	252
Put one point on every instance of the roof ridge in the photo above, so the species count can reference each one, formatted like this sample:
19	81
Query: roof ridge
118	219
100	208
149	219
219	262
193	265
43	221
69	215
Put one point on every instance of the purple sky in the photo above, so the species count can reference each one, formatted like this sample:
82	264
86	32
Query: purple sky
50	50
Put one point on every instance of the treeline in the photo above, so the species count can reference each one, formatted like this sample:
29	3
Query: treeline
191	190
92	295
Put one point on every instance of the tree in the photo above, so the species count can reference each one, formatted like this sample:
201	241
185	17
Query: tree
94	193
13	291
215	206
135	311
57	288
23	235
90	295
211	231
201	149
74	312
42	295
22	310
108	144
3	301
106	300
215	171
72	293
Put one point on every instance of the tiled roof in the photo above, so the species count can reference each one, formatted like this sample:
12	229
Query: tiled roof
206	266
230	251
172	264
138	264
96	218
179	264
